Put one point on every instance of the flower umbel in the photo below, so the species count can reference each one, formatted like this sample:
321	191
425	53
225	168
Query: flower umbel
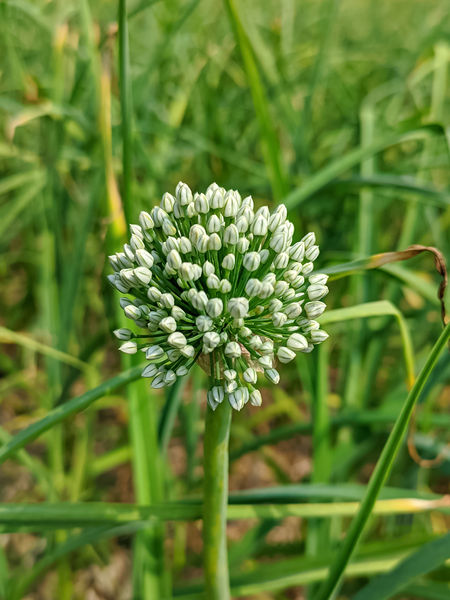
213	281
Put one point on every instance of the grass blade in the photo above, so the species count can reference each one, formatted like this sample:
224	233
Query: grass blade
351	159
426	559
66	410
381	472
269	140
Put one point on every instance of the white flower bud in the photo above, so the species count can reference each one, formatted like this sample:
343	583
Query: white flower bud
177	313
153	294
136	242
307	268
143	275
242	224
233	350
297	342
318	336
238	307
159	381
182	371
167	202
123	334
253	287
217	393
213	225
214	307
211	340
312	253
238	398
294	310
200	301
308	325
202	243
208	268
217	199
195	233
187	271
144	258
256	398
276	219
225	286
266	348
132	312
230	374
297	251
188	351
231	235
314	309
212	403
231	205
201	204
146	221
173	354
316	291
128	348
243	245
255	342
214	242
275	305
321	278
168	324
272	375
229	262
167	300
278	242
154	352
252	261
265	361
285	355
279	319
250	375
184	194
174	259
150	370
309	239
266	291
264	255
203	323
230	386
137	230
168	227
169	377
117	282
185	245
177	340
260	225
281	287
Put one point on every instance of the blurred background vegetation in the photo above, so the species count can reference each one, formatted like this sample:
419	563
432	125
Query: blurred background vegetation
339	108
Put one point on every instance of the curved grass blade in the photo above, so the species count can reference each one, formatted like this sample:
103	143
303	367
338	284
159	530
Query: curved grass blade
72	407
377	309
381	472
7	336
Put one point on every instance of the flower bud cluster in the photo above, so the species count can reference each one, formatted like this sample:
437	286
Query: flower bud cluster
210	278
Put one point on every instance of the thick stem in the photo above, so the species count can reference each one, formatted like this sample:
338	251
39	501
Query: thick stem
217	432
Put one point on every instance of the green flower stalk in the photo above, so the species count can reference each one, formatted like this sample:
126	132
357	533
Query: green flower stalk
214	281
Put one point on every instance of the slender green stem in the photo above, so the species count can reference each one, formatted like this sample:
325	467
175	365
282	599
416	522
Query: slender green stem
381	472
125	107
217	432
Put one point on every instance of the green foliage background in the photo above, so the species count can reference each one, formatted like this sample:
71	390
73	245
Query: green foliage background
339	108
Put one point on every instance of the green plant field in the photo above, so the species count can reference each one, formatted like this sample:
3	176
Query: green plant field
339	483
